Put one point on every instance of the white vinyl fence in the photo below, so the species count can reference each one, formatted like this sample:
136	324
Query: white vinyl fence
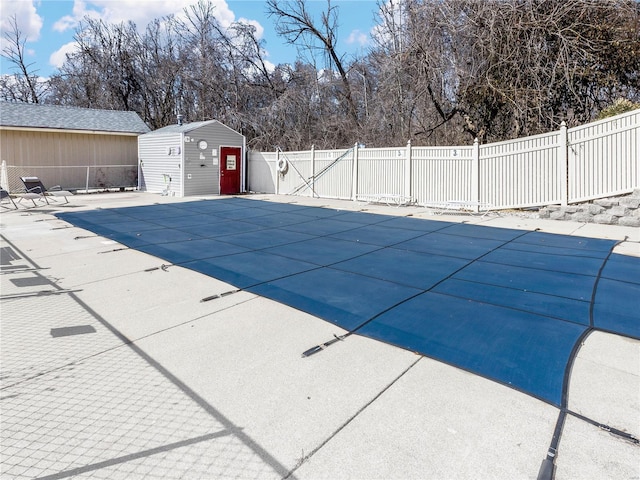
566	166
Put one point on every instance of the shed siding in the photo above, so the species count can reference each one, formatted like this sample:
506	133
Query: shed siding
201	166
155	162
204	165
200	172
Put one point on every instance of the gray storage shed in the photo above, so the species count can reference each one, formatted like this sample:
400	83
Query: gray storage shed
198	158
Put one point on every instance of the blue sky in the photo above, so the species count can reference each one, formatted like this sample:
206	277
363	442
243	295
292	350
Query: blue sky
49	25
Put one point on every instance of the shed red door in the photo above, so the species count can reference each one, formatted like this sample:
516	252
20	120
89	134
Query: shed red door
230	162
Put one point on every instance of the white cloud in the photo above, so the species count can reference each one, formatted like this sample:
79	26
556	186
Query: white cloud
29	22
141	12
357	37
58	57
259	28
117	11
390	19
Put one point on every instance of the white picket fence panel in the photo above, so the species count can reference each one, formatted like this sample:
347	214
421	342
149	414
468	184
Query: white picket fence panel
441	174
604	157
565	166
523	172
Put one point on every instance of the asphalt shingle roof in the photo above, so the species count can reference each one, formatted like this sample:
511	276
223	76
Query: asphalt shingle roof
184	128
31	115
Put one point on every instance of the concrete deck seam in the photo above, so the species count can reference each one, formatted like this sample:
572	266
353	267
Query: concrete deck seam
305	458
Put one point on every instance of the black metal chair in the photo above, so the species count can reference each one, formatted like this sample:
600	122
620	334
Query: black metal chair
4	194
35	188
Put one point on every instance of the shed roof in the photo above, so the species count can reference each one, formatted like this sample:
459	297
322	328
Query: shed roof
30	115
189	127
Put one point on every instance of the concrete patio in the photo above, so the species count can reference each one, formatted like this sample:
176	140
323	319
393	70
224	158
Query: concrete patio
113	367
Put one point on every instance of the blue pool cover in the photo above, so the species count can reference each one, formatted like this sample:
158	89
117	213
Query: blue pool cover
510	305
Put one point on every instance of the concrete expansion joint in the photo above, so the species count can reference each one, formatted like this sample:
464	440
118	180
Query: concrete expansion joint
304	458
621	210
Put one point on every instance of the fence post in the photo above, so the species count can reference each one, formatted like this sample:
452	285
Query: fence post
475	175
4	177
564	164
313	171
354	174
407	172
276	174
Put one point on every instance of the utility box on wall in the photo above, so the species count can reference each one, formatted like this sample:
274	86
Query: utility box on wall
198	158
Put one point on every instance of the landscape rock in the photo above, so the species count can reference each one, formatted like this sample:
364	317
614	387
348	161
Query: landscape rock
583	217
606	202
620	210
630	202
558	215
605	219
629	221
595	209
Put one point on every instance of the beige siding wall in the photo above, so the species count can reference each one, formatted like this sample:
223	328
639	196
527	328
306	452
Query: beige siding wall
61	158
25	148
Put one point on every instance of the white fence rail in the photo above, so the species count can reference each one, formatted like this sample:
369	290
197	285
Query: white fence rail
566	166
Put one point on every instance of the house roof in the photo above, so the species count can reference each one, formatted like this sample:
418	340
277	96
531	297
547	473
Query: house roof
30	115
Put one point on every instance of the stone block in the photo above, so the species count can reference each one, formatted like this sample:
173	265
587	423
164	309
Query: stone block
636	193
629	221
583	217
630	202
571	209
605	219
619	211
558	215
545	213
607	202
595	209
553	208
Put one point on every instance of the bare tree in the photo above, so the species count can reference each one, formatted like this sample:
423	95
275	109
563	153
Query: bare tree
441	72
296	24
205	65
24	85
504	68
162	73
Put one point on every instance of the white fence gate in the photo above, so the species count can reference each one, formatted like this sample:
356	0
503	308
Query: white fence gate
566	166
